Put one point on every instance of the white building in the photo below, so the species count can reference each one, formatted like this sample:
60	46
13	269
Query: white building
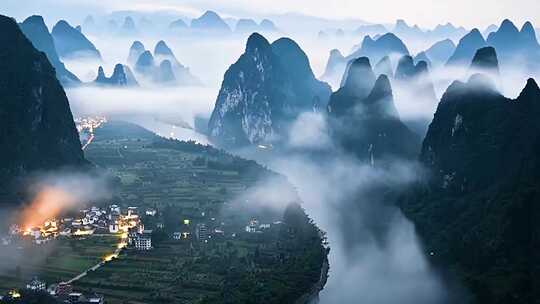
202	232
251	229
36	285
151	212
143	242
113	228
114	209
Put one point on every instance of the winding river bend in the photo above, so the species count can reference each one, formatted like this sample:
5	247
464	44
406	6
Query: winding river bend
375	256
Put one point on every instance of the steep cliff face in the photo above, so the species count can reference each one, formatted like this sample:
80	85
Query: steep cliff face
36	125
309	92
263	92
363	119
36	31
477	207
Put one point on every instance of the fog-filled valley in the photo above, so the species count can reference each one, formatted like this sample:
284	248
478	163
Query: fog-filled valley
392	163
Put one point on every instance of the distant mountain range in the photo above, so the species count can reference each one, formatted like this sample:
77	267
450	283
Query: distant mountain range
383	46
122	76
517	49
161	67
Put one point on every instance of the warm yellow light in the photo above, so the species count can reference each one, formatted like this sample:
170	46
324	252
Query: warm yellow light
110	257
14	294
186	222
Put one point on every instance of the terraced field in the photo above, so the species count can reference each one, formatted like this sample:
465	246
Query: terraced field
192	185
54	262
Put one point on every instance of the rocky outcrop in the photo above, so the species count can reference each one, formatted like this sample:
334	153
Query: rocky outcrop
476	205
485	61
263	92
178	25
121	77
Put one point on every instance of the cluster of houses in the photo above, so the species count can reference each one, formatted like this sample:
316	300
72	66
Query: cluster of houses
94	220
63	292
254	226
89	123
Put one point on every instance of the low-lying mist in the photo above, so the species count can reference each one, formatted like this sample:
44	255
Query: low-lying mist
51	195
375	255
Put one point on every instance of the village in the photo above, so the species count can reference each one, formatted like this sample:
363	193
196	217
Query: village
130	225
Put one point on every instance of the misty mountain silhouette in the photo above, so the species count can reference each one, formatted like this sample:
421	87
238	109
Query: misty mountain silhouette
516	47
164	73
135	51
385	45
363	120
440	52
268	26
178	24
384	67
210	22
485	61
145	65
71	43
466	48
36	31
246	26
121	77
128	27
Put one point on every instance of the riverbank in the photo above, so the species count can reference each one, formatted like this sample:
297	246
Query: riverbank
312	297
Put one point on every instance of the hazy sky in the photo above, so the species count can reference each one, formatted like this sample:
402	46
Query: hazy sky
426	13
